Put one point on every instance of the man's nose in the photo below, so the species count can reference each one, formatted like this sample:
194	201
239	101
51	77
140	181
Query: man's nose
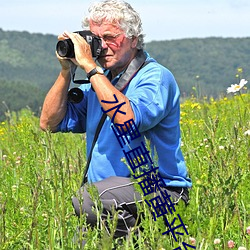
104	44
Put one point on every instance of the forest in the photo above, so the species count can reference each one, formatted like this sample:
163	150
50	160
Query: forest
201	66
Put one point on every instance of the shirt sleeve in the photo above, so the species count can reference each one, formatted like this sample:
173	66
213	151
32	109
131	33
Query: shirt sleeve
154	96
75	117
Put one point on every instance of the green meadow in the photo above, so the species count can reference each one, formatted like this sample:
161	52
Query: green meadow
40	172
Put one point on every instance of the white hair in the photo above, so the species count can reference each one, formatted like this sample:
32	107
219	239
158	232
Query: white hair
120	13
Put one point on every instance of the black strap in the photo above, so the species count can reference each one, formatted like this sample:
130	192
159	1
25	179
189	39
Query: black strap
136	64
97	132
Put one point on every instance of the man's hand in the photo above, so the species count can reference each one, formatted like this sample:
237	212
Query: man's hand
66	63
83	54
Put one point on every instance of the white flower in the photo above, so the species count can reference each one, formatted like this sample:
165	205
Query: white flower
246	133
237	87
216	241
22	210
192	240
242	248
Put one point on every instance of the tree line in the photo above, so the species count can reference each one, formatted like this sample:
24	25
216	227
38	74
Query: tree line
202	67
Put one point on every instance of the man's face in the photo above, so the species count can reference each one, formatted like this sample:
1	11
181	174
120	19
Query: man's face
118	50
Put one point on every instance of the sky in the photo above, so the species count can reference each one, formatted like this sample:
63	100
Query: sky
161	19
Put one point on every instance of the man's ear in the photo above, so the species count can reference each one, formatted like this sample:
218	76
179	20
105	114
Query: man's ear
134	42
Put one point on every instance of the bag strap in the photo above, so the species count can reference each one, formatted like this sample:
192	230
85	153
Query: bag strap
97	132
136	64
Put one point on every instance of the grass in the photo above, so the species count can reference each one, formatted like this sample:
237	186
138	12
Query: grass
40	172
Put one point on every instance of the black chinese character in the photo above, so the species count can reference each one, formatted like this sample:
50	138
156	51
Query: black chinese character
138	157
172	229
117	107
185	246
126	132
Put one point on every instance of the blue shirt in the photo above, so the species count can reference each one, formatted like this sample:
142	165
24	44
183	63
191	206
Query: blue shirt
154	98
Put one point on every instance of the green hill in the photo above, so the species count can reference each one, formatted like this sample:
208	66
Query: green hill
211	63
28	65
28	58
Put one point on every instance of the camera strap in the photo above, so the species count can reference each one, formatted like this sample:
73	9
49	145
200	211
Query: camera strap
136	64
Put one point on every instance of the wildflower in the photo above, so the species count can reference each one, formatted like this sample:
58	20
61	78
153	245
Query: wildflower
195	106
248	230
22	210
237	87
192	240
247	133
216	241
242	248
14	188
230	244
240	70
221	147
198	182
45	216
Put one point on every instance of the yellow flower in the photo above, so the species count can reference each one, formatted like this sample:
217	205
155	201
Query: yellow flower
240	70
195	105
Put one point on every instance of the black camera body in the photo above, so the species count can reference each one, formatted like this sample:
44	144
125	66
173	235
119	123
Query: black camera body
65	48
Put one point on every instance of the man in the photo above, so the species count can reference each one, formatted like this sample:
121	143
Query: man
132	90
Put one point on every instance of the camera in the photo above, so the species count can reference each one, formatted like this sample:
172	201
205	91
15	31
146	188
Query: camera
65	48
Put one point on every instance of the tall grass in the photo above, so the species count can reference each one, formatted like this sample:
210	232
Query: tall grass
40	172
